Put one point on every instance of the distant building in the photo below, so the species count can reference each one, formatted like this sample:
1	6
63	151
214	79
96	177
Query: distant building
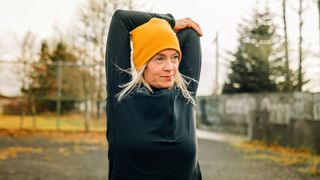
5	101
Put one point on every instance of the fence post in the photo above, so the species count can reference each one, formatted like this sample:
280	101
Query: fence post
86	115
58	99
22	114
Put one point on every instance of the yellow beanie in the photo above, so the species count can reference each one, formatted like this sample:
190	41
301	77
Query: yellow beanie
151	38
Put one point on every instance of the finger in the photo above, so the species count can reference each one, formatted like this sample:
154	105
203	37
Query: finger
188	22
197	28
194	22
199	31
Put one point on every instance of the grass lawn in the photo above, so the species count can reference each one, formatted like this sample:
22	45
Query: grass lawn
49	122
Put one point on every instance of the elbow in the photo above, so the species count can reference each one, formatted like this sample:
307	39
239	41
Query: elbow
189	33
118	14
117	18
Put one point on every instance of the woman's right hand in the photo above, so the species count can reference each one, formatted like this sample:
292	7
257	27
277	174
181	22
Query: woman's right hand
187	23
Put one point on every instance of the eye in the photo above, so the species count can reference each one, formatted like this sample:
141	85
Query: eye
175	58
159	59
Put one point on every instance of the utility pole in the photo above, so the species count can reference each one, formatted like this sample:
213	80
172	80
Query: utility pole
288	85
319	24
216	83
300	78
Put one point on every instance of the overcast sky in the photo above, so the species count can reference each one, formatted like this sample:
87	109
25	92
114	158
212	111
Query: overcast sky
41	16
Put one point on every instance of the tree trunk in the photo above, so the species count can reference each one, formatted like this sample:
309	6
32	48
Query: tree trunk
24	104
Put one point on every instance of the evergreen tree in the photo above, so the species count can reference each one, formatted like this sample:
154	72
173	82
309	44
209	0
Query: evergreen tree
41	82
251	67
45	78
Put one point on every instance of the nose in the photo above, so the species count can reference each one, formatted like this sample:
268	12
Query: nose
168	66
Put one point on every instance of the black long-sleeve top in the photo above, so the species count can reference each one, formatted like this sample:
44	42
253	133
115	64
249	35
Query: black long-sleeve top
150	136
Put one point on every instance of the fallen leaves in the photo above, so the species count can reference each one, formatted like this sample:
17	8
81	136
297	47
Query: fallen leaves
83	142
62	136
306	161
12	152
63	151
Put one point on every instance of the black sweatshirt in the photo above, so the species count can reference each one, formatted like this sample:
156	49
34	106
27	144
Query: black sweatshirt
151	136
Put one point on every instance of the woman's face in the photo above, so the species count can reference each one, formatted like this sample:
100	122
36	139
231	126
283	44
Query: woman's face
161	69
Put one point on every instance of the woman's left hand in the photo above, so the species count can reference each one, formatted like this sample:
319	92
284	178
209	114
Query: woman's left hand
187	23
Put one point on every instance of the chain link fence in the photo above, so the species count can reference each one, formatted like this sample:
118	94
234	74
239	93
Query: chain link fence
56	89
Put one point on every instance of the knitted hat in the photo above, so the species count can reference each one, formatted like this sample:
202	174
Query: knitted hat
151	38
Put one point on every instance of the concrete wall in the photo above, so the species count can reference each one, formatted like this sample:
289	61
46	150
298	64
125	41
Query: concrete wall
291	119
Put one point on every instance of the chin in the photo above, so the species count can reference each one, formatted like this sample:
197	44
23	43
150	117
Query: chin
167	86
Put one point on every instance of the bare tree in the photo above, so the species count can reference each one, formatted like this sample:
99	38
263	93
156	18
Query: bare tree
27	55
93	19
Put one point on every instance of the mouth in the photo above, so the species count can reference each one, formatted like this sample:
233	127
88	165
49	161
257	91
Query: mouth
167	78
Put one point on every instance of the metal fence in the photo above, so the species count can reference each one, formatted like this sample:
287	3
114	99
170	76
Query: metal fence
57	88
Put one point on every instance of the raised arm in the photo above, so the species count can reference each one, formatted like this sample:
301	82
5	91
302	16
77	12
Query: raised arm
190	64
118	45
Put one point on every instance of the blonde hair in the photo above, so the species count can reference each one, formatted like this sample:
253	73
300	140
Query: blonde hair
138	80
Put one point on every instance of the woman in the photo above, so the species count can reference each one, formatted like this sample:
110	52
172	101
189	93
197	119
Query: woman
150	110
